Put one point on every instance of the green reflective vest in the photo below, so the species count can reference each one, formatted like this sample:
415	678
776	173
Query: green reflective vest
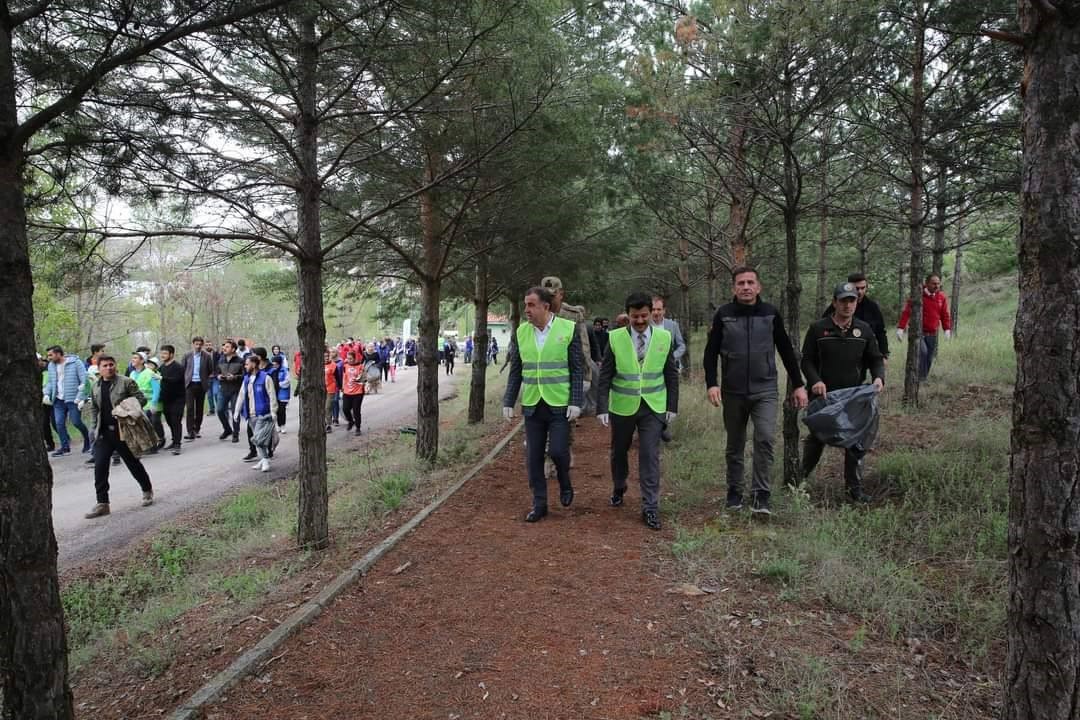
634	381
145	380
545	372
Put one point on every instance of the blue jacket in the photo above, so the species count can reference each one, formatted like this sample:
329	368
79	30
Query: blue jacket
262	397
284	387
74	380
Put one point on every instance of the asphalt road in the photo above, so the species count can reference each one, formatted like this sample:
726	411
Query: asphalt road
206	469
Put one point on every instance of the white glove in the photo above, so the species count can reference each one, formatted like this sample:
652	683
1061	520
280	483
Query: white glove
573	412
603	418
948	334
508	413
671	417
899	334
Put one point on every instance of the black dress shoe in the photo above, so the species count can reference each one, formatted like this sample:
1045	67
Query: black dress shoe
616	497
251	456
236	438
535	514
189	436
175	449
566	496
226	434
651	519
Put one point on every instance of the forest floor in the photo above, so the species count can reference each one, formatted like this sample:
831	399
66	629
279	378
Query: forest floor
586	614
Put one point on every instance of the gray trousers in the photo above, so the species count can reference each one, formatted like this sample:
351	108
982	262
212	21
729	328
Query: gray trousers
761	409
649	426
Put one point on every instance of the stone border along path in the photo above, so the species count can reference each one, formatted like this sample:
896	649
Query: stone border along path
307	612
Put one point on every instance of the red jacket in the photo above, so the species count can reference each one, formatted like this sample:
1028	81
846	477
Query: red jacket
935	311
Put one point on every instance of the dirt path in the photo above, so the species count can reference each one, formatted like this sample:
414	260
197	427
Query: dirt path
496	618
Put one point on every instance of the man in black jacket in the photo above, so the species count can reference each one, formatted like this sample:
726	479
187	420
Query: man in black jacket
198	367
868	311
230	375
837	351
172	394
746	334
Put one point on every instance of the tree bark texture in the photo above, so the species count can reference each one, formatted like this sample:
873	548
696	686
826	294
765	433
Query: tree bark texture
941	208
33	647
739	212
684	299
793	296
478	381
916	217
957	279
1042	678
312	528
427	362
823	238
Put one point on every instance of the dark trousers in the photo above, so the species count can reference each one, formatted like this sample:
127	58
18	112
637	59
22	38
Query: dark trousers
174	414
47	427
450	365
155	420
853	461
226	407
927	352
281	405
648	425
196	401
386	370
351	405
547	427
738	410
104	446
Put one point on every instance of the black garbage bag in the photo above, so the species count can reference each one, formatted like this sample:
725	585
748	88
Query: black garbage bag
845	418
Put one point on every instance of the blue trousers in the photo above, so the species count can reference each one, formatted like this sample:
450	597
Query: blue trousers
61	412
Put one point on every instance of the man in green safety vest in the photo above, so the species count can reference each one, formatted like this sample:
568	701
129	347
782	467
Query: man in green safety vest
638	390
546	358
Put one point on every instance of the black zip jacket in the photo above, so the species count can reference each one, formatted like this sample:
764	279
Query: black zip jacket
746	339
870	313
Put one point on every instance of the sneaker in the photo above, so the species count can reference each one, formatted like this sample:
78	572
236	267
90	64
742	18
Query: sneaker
226	434
175	449
734	500
760	505
858	497
258	465
148	498
349	426
61	452
99	510
329	429
89	461
236	438
250	456
281	430
264	466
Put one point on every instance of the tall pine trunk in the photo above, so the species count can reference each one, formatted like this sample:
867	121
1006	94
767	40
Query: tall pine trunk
427	362
1042	677
478	381
312	528
957	278
33	647
916	217
793	294
941	208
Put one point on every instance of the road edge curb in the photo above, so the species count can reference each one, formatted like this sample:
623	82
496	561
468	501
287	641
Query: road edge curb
243	665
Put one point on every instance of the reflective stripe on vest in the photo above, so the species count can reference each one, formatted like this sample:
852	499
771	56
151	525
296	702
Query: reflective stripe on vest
545	372
634	381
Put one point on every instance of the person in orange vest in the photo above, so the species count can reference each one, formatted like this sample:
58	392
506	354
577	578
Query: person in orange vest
354	374
332	376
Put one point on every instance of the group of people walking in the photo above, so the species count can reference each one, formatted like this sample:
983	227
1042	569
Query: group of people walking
637	383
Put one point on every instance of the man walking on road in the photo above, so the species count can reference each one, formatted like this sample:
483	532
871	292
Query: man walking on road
258	405
230	375
64	388
546	356
641	375
107	392
836	353
198	367
935	311
746	335
172	394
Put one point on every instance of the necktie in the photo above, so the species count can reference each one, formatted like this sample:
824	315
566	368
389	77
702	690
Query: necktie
641	346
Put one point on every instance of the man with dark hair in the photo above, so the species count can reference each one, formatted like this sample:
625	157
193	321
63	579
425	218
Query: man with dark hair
198	366
108	391
96	350
746	334
600	334
641	375
868	311
230	375
172	394
65	389
545	356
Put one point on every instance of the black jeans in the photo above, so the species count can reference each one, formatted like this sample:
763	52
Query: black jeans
174	415
105	445
351	405
47	426
155	420
281	405
196	401
547	427
226	407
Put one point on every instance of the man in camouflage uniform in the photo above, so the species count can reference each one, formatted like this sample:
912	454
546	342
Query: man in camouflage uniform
576	313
